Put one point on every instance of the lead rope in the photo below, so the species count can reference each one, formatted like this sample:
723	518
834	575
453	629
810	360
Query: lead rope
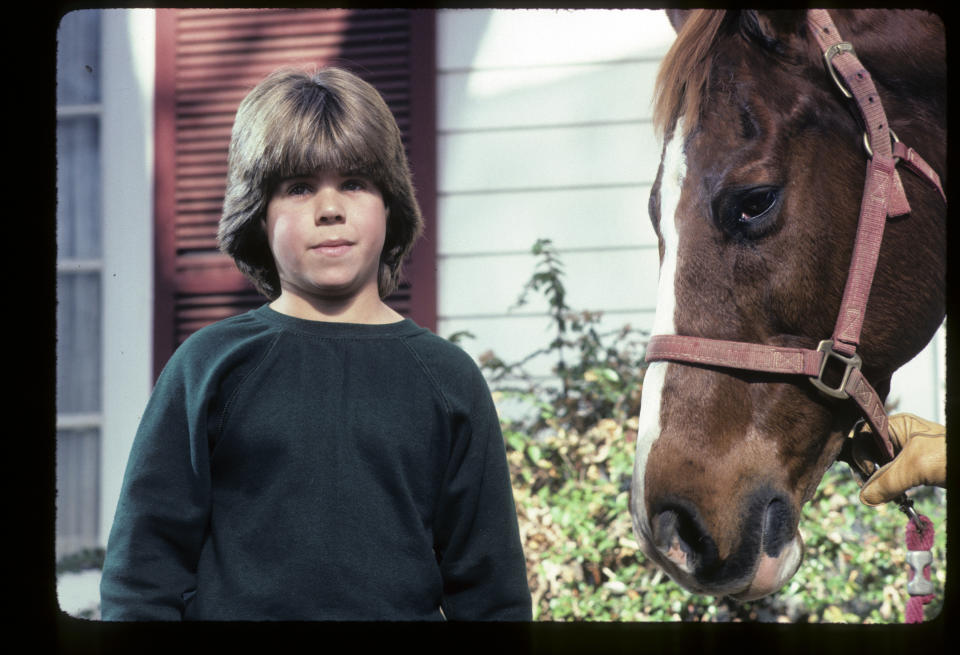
919	538
919	535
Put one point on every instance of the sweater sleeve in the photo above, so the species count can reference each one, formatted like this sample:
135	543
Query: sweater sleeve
478	539
150	566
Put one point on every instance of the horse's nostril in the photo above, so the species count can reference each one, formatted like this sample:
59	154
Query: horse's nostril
776	527
664	529
678	535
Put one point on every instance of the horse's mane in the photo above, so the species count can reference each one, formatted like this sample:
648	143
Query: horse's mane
684	73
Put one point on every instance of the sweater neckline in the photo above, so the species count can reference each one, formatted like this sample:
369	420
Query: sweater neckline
334	329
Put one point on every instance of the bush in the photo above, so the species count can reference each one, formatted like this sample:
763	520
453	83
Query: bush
83	560
571	461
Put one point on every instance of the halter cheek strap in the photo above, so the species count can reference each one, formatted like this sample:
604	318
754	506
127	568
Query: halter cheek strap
883	195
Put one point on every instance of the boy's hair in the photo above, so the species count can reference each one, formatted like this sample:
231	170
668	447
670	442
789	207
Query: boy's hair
296	123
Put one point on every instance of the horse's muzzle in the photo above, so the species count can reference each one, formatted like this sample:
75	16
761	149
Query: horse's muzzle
767	553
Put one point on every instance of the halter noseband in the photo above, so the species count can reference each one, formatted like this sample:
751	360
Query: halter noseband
883	195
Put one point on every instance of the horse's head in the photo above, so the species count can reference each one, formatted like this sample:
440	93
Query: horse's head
755	207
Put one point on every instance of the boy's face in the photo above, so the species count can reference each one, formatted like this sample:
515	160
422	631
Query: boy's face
326	233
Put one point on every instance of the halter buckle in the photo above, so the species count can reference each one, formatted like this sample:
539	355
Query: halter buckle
852	362
866	143
828	56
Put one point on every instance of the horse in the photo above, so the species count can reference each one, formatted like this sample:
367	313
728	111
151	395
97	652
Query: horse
771	239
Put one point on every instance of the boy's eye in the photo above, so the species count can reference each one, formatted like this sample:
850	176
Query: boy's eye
355	184
297	189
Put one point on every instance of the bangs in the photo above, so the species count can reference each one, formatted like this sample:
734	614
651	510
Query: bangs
318	133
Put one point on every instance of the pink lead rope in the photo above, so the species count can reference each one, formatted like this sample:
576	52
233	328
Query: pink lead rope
883	196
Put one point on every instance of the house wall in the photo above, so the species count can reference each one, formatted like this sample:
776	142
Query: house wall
544	132
127	142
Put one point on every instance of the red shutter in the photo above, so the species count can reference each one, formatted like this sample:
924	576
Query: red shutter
207	60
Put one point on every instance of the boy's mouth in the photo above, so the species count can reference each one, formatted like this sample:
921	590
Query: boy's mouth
333	247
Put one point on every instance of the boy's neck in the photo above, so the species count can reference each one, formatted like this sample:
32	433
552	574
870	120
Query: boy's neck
356	309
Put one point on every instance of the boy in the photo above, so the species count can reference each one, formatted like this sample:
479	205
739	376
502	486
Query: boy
318	458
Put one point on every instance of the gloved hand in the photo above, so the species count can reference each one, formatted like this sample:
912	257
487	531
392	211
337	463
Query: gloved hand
920	458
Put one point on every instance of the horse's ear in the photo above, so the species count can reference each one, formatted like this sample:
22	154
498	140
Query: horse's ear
678	17
779	31
777	25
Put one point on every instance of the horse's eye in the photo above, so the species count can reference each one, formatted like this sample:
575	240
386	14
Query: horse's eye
757	203
747	212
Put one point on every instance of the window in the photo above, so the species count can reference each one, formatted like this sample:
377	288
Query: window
79	281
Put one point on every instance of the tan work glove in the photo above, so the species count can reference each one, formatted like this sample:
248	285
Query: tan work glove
920	458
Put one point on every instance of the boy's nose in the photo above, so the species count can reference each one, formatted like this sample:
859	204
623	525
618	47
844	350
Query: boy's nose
329	210
330	218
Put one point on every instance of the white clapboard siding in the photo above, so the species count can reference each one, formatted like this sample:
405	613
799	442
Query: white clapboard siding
504	97
488	285
576	218
544	132
514	38
920	385
511	159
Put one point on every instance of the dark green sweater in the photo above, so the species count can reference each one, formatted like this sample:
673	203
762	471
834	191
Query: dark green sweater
302	470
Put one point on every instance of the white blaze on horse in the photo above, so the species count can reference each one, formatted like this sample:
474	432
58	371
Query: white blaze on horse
795	246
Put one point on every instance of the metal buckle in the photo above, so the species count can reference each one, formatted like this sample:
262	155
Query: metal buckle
852	362
857	452
866	143
905	505
828	56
